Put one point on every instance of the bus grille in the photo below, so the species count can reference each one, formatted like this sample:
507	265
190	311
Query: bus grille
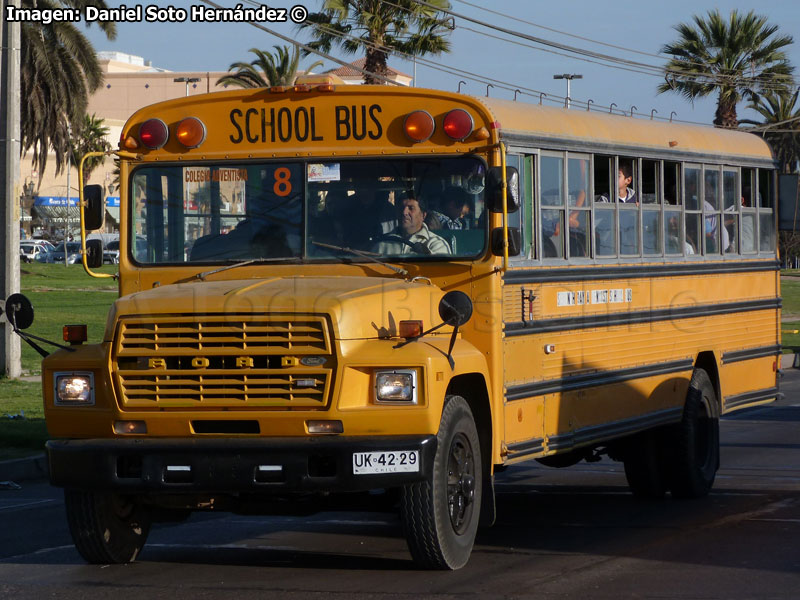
227	361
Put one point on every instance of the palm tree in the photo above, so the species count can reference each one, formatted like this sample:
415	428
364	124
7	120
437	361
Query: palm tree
380	28
58	72
782	111
739	57
91	137
266	69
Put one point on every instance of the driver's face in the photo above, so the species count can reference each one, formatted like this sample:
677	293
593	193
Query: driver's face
411	217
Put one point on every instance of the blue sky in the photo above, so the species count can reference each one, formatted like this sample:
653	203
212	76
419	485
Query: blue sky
635	26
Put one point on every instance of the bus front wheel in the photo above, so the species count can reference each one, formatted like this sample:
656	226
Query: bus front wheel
106	527
440	516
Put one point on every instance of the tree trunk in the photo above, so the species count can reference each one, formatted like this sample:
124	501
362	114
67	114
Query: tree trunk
726	114
376	65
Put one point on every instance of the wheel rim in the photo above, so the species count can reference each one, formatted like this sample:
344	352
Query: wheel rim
460	482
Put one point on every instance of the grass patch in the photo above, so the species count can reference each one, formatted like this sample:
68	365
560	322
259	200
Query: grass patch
42	276
790	292
22	428
790	340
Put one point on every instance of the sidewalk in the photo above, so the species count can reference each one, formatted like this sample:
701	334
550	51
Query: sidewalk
35	467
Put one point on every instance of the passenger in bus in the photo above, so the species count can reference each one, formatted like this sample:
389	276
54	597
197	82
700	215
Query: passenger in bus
626	194
454	213
412	235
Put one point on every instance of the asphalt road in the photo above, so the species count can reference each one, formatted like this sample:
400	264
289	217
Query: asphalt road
568	533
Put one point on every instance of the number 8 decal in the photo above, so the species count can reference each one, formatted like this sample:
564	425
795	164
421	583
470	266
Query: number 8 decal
283	182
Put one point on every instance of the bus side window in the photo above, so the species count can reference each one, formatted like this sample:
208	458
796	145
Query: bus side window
628	201
552	203
651	209
730	209
674	241
766	216
748	209
605	221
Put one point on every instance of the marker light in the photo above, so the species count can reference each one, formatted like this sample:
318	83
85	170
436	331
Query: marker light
191	132
410	329
75	334
130	143
458	124
419	126
154	133
130	427
279	89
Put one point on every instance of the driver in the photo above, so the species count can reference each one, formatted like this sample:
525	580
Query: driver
412	235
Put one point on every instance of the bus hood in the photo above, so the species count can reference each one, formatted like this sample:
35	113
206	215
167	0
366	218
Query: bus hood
359	307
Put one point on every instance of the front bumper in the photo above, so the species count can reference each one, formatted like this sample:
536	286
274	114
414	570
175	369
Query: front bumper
229	465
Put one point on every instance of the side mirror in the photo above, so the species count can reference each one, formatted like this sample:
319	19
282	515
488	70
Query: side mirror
94	253
495	189
514	241
93	211
19	311
455	308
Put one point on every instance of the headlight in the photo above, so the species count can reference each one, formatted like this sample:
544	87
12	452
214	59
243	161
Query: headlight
396	386
74	389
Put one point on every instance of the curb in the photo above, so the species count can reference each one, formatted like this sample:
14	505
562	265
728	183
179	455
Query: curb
24	469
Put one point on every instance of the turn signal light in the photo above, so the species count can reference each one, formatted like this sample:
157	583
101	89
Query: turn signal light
130	143
325	427
75	334
191	132
419	126
410	329
458	124
279	89
154	133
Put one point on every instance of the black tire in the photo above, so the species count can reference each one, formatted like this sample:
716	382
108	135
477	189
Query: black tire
695	459
106	527
645	466
440	517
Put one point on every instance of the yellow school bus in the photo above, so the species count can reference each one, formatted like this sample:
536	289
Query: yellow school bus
327	288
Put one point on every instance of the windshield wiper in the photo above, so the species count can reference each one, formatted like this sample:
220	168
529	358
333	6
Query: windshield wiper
368	255
250	261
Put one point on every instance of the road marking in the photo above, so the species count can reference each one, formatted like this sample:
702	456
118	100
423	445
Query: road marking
26	504
35	552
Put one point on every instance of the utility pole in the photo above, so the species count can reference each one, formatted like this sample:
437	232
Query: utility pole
569	77
9	180
66	213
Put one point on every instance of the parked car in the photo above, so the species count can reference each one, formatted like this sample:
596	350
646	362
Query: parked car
73	251
111	251
30	250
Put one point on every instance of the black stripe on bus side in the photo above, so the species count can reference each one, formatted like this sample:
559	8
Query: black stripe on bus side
533	446
757	396
516	328
614	429
542	275
750	353
575	382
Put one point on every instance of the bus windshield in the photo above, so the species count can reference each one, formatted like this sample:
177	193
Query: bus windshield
397	208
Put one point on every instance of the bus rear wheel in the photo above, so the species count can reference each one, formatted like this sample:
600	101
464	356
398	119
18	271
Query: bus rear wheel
695	453
440	516
106	527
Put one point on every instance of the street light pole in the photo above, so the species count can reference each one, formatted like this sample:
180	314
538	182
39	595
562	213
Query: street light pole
569	77
187	81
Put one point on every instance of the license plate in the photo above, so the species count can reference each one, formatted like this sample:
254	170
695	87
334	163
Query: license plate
396	461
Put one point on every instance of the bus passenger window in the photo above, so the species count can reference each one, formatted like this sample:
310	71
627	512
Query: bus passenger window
651	231
672	183
730	209
672	234
716	238
605	219
692	183
748	209
552	202
651	182
766	218
628	231
579	211
693	233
